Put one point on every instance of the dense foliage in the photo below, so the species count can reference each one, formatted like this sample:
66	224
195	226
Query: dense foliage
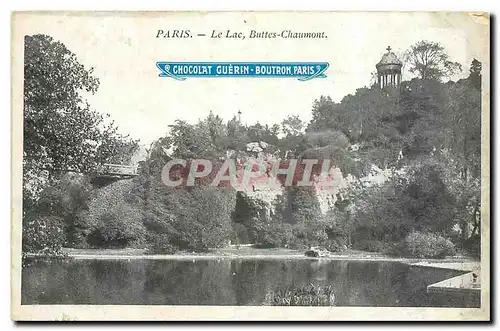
427	245
43	234
425	136
62	134
432	144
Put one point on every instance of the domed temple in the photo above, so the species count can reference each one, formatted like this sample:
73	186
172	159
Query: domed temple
389	70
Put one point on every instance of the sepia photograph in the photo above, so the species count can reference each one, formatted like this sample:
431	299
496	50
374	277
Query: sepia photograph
250	165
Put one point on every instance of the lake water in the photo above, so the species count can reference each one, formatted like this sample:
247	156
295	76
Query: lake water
228	282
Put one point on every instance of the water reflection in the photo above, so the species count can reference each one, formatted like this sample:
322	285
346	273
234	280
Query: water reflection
227	282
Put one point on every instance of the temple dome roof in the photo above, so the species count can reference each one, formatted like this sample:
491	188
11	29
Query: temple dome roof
389	58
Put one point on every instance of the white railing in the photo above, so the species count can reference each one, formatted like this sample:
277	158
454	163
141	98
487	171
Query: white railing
119	169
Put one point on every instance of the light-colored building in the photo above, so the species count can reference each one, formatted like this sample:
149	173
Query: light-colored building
389	70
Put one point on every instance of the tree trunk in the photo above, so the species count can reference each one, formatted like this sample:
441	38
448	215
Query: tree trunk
474	220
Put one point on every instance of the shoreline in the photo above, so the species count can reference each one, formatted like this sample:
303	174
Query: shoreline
459	263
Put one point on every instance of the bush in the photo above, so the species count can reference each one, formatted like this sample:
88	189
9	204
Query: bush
338	244
372	246
271	235
119	227
395	248
428	245
202	221
159	243
64	197
473	245
309	295
112	219
43	234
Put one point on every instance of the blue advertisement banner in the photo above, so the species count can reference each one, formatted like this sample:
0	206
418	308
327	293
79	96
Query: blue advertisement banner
303	71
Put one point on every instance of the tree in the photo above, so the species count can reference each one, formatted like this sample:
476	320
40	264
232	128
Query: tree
328	115
62	136
42	235
258	132
216	130
463	127
303	212
191	141
196	217
418	199
66	197
368	119
236	135
429	60
114	147
467	194
61	132
292	125
373	78
462	149
475	74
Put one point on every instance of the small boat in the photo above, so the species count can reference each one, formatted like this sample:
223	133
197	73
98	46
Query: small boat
317	252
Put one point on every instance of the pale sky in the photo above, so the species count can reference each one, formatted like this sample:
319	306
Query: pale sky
123	51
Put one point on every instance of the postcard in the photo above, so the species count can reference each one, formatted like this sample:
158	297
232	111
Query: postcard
250	166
